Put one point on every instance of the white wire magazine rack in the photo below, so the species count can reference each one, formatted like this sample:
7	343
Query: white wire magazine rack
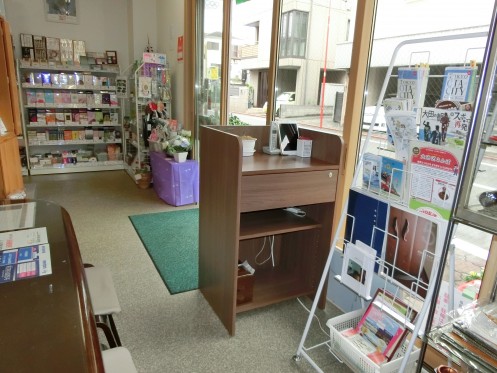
415	288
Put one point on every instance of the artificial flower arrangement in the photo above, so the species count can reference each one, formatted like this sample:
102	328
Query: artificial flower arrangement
179	142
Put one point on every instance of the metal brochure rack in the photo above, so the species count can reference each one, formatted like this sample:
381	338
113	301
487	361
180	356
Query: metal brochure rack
408	359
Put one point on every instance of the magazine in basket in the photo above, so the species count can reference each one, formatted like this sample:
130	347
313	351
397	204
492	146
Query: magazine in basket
382	328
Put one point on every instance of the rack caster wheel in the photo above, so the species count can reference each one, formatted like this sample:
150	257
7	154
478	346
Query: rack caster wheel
296	358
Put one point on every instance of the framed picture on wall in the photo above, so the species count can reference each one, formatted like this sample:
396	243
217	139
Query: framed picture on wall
64	11
111	57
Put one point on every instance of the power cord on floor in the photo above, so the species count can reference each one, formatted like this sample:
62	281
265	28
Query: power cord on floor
317	318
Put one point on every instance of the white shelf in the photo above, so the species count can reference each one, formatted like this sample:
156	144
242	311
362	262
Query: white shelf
69	87
72	142
71	125
71	106
78	167
92	147
69	68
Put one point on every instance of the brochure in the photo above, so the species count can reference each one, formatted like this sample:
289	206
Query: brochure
410	249
371	172
402	126
25	262
24	254
433	172
444	127
22	238
358	267
382	328
392	178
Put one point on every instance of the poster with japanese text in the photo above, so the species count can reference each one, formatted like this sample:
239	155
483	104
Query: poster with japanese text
433	177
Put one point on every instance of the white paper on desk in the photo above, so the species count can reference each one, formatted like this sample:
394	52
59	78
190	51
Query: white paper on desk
23	238
17	216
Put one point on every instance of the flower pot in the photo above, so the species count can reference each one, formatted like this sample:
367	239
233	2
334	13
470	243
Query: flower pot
180	157
248	146
144	181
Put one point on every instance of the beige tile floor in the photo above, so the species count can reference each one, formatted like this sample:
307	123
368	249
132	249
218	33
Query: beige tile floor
173	333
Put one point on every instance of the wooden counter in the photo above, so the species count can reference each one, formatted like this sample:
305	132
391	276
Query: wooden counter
47	322
242	201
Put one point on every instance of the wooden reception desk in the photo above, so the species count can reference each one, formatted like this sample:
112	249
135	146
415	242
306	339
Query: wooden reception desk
46	321
242	202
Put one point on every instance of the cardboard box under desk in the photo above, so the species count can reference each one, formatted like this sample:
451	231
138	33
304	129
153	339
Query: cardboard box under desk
244	286
175	183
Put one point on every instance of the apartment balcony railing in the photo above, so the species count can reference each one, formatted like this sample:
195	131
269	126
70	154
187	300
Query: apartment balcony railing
249	51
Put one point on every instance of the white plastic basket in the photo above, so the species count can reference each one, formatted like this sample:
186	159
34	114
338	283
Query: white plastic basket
356	360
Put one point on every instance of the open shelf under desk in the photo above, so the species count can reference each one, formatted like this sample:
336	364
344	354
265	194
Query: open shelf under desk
270	222
273	286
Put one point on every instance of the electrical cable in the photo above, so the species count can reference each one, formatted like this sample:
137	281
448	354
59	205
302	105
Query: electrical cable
271	254
317	318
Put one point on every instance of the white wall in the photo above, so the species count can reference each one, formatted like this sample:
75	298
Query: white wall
170	25
103	25
144	26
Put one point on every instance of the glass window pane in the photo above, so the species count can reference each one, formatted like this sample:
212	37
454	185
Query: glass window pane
208	64
251	33
471	246
315	94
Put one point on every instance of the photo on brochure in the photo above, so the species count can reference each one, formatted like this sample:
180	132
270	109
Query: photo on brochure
410	249
358	268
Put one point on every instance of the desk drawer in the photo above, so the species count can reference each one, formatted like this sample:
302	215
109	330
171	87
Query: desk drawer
263	192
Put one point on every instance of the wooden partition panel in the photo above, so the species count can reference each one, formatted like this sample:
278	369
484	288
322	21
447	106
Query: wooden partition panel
220	155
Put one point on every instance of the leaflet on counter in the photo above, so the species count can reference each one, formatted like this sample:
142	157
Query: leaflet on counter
25	262
24	254
22	238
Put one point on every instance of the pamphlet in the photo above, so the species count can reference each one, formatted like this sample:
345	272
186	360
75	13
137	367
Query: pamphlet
444	127
371	172
22	238
392	178
24	254
433	172
358	268
382	328
25	262
402	126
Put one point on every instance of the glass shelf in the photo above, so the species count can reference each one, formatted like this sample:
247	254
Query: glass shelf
480	173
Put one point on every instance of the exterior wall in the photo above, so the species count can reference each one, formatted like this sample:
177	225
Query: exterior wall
309	68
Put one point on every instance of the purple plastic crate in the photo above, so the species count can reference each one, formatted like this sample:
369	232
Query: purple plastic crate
175	183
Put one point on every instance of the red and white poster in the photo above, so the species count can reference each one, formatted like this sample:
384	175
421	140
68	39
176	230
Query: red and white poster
180	48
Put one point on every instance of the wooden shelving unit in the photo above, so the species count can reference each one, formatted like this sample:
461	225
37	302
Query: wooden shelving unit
243	201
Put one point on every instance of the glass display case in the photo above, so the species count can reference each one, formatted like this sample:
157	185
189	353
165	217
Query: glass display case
477	205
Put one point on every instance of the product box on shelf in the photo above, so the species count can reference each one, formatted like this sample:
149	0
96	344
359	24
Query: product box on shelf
244	286
304	148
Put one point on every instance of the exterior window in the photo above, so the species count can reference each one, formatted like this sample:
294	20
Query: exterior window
293	34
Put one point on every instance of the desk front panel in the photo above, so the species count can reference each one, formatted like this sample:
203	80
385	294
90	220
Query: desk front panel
280	190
